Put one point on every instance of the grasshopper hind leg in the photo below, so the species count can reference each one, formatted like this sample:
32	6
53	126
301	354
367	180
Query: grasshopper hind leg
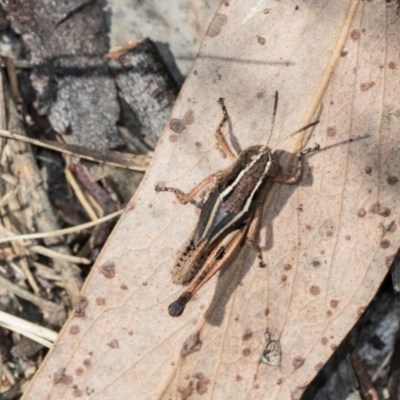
176	308
251	238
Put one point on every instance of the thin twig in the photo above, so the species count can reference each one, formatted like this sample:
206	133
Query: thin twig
29	276
39	334
135	162
65	231
80	196
8	196
24	294
44	251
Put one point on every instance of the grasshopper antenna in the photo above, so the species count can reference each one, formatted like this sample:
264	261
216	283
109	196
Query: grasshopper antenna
304	128
273	115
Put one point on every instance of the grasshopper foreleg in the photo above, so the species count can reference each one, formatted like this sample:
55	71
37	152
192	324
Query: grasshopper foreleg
288	179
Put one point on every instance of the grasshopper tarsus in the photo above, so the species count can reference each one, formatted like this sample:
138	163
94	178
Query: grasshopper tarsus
309	150
176	308
262	264
253	245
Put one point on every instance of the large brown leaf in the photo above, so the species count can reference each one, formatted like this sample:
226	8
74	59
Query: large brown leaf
324	243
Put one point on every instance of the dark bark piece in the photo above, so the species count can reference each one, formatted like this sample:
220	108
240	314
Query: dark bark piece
395	271
373	338
70	75
394	374
146	86
33	195
26	348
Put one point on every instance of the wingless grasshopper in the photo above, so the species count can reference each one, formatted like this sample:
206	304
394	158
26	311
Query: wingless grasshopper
231	211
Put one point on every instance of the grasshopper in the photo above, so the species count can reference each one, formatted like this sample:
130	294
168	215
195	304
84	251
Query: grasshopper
231	211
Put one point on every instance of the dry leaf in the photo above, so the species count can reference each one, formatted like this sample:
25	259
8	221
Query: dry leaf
324	242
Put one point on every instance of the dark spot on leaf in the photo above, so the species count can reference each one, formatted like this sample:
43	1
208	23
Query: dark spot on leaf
364	86
131	206
279	381
392	65
260	40
393	227
238	378
113	344
124	287
77	393
173	138
316	263
385	243
355	34
80	307
108	269
86	362
60	376
188	118
329	313
392	180
334	303
347	237
216	25
315	290
266	312
375	208
176	125
246	352
187	391
100	301
324	341
283	278
201	383
368	170
287	267
247	334
334	346
344	51
79	371
331	132
74	330
384	212
191	344
298	361
361	213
